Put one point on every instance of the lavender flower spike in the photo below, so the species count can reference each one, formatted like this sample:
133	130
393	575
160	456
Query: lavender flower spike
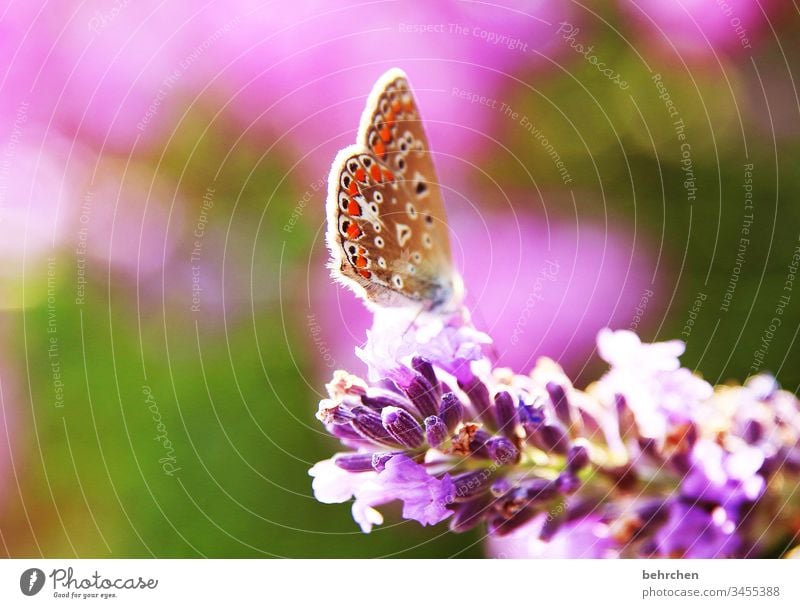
650	460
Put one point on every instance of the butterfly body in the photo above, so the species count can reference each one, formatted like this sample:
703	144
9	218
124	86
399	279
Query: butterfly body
387	231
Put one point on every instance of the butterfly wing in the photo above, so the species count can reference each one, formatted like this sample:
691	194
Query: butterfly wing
387	230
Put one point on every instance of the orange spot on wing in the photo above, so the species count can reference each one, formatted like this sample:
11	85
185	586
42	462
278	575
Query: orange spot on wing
353	208
396	106
390	118
388	175
385	133
365	273
353	231
361	262
361	175
352	189
380	149
375	173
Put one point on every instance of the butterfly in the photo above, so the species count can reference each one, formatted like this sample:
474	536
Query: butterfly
387	230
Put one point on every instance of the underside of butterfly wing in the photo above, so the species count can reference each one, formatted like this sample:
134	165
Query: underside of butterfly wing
387	230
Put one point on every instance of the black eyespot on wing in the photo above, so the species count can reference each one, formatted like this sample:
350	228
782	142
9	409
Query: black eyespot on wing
421	187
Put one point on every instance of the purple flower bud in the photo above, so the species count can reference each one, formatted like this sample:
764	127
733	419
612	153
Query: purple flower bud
502	450
550	438
347	435
423	396
337	414
368	424
469	514
649	448
624	477
568	482
402	426
435	431
354	462
577	458
500	526
451	411
561	405
479	398
378	400
531	417
478	444
425	369
580	509
651	516
680	463
500	487
753	431
469	485
505	413
537	491
551	525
